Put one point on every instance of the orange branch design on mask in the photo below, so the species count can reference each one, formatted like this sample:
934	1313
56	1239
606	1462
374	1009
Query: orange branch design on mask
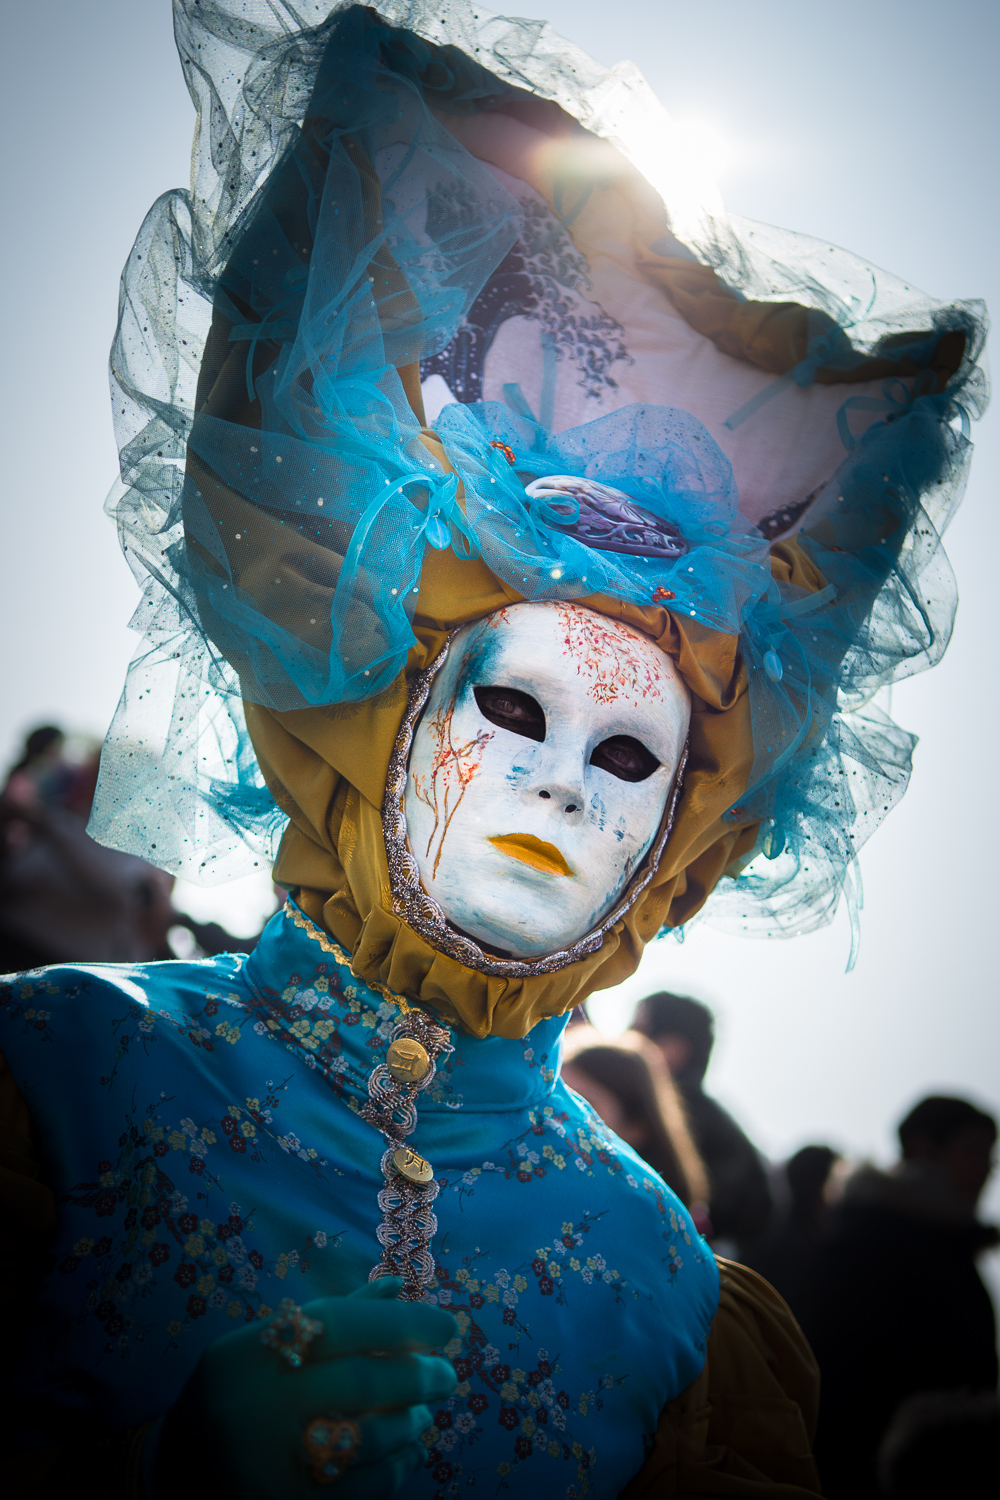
452	769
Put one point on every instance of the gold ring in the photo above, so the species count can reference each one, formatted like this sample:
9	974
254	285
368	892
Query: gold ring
332	1444
290	1332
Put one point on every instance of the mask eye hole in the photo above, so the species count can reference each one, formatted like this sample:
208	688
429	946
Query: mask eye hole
510	709
625	758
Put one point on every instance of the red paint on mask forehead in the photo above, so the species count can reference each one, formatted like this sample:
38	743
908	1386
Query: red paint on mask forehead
618	662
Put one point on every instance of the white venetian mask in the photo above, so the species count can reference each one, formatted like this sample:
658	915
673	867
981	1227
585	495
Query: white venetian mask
540	772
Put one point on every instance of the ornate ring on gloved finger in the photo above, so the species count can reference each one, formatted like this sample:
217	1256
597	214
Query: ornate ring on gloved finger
290	1332
332	1445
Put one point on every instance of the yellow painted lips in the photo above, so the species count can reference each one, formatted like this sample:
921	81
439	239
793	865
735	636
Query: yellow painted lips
534	852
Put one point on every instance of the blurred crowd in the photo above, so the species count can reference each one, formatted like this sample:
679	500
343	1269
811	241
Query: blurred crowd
65	898
878	1266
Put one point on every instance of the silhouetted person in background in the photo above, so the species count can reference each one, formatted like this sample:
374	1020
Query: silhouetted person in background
65	898
899	1307
787	1256
739	1204
942	1445
628	1085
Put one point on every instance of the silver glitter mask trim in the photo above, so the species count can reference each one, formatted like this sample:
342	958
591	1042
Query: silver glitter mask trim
423	914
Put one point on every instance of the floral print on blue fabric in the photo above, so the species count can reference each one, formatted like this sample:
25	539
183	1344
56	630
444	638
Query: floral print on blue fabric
202	1126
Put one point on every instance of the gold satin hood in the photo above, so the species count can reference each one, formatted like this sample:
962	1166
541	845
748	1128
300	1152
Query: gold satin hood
326	768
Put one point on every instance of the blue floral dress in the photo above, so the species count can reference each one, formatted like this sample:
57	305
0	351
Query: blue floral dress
201	1125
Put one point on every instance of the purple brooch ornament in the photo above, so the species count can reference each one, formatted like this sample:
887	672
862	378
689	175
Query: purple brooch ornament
606	519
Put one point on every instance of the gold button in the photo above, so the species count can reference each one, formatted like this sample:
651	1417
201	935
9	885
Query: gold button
407	1060
411	1166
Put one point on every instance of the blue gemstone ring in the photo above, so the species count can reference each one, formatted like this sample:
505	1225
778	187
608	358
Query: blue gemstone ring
332	1444
290	1332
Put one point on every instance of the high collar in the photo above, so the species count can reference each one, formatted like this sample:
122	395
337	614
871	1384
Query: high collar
303	978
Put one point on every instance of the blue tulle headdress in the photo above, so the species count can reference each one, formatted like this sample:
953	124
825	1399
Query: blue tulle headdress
278	495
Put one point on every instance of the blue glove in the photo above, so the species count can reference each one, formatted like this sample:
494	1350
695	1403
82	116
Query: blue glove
237	1426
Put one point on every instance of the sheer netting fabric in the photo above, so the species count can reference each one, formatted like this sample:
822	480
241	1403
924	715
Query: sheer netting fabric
436	204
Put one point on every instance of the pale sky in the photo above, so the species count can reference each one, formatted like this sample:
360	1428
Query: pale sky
872	123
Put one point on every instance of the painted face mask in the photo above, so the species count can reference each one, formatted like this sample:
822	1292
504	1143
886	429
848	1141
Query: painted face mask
540	772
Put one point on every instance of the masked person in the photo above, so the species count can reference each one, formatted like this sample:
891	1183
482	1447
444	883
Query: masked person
517	693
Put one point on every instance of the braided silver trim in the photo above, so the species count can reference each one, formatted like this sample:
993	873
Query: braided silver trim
408	1222
423	914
